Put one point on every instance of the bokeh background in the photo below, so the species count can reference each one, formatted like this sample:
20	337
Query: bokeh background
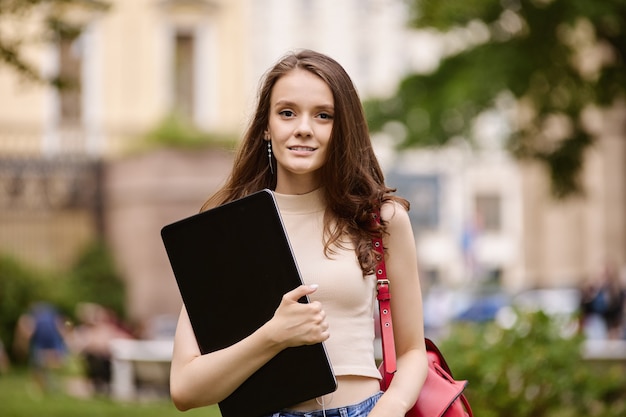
503	123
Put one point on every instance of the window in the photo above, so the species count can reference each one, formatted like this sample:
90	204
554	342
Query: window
70	66
430	276
184	74
422	191
488	212
189	58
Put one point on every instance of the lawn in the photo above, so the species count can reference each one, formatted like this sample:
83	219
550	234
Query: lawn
20	398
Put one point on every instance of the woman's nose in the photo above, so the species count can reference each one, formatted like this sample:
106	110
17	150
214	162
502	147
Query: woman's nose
304	128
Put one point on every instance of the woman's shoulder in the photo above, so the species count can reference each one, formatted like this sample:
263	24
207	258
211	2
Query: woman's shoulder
398	224
393	211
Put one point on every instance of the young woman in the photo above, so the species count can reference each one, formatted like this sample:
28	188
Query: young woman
308	142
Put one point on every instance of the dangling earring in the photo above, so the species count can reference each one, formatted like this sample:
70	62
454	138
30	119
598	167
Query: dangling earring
269	155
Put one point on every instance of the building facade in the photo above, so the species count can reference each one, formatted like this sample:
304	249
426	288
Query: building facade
70	170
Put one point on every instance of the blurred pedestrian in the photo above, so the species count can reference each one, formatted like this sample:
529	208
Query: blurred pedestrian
91	340
5	363
43	328
602	305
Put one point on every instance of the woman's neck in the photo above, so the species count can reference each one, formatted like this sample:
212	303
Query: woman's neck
296	187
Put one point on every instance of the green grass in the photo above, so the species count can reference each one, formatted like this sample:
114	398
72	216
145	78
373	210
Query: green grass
19	397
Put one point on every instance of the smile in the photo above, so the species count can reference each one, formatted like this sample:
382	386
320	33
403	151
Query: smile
301	148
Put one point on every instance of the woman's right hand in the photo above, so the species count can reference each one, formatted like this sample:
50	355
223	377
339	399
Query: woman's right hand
295	323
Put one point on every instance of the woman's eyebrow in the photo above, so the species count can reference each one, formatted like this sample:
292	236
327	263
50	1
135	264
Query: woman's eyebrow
284	103
326	107
288	103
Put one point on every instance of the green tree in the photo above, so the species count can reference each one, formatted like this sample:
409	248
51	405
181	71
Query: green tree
556	58
94	278
58	21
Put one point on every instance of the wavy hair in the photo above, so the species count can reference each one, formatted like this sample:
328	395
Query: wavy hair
353	181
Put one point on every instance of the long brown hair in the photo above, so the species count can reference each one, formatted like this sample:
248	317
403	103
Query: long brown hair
353	181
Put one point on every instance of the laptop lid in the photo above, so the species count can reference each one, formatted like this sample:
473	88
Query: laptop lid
232	265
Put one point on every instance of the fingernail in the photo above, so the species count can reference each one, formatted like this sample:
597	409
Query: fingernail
313	286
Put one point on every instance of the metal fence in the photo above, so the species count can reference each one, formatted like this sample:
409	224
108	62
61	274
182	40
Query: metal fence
49	207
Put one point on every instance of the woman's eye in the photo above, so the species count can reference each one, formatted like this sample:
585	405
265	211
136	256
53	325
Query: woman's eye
286	113
326	116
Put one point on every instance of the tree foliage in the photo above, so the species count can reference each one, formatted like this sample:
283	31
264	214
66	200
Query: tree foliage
56	22
556	58
94	278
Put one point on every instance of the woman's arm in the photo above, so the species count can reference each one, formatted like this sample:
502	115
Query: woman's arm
406	308
198	380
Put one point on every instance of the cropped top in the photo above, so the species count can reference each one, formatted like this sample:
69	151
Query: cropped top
346	295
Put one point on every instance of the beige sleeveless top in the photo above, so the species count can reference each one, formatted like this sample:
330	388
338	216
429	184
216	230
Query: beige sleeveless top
346	296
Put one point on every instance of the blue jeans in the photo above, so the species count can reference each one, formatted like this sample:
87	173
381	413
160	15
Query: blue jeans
361	409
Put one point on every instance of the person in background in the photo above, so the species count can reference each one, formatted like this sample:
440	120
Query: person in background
614	292
602	305
308	142
43	328
91	339
5	363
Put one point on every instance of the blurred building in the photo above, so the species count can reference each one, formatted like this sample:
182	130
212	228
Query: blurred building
70	170
484	219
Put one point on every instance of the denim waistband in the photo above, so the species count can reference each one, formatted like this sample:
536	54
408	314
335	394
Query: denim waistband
356	410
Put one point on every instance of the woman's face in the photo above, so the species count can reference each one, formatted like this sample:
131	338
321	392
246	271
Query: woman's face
300	124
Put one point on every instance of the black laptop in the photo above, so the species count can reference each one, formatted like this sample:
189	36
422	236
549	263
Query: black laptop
233	264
